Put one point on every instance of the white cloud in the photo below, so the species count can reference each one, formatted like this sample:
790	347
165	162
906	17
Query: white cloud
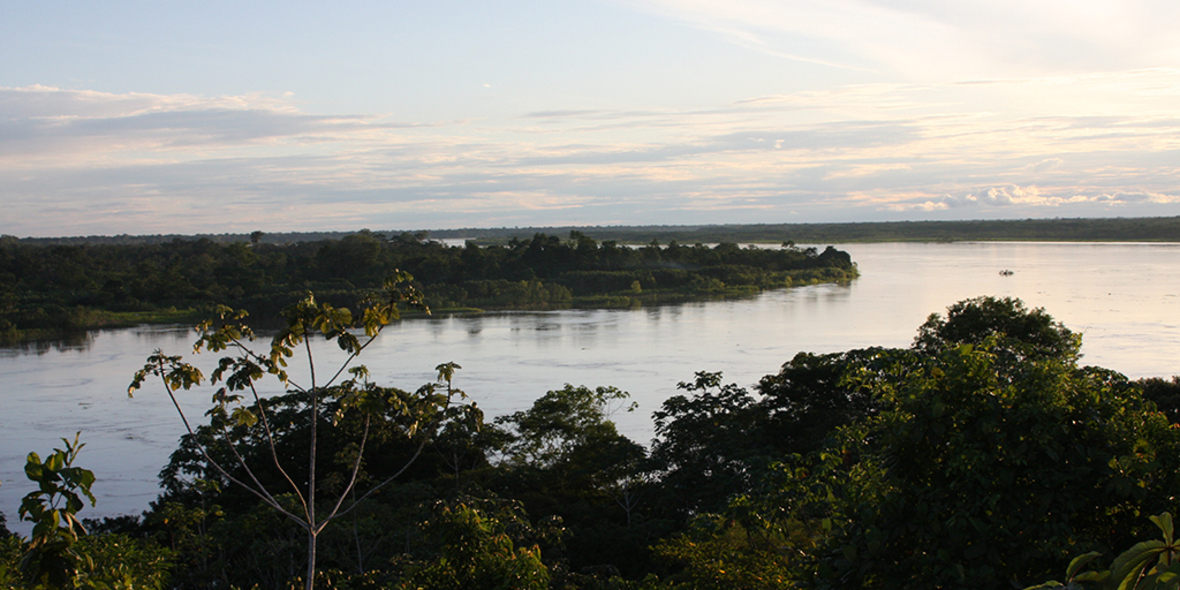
41	126
934	40
115	163
1031	197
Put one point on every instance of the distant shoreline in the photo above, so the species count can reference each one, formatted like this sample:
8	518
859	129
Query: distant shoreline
1137	229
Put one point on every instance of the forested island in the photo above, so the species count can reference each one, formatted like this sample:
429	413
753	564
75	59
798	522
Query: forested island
48	290
983	456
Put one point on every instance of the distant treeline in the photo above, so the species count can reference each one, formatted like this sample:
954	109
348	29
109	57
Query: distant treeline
1147	229
59	288
1144	229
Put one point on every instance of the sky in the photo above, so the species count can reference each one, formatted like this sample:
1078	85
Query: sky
148	117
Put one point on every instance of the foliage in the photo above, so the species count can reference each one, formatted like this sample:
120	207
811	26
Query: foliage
709	444
121	561
293	494
564	458
60	553
1165	394
62	288
810	397
971	460
50	557
718	553
1023	334
475	545
1133	569
972	478
562	423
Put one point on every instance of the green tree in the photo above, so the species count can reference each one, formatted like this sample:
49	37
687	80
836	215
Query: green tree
973	475
50	557
565	458
476	545
811	396
1021	332
971	460
721	553
240	371
61	553
710	444
1133	569
1166	395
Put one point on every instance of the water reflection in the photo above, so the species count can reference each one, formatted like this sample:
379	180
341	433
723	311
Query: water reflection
68	342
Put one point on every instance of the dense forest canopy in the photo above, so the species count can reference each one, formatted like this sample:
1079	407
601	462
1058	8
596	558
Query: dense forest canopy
56	288
982	456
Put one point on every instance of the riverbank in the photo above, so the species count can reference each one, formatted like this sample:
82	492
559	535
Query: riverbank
83	320
54	289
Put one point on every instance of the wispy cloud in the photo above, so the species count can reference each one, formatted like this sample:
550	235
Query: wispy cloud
78	162
42	126
932	40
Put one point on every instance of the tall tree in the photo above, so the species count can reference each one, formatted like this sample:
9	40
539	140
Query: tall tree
244	367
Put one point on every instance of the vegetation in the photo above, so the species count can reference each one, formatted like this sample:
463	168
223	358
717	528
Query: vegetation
1141	229
61	553
983	456
61	288
1152	229
259	432
1133	569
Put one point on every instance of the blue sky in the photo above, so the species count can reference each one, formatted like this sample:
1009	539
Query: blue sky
211	117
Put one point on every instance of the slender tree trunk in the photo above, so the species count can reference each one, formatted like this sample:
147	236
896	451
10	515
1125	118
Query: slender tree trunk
311	543
312	523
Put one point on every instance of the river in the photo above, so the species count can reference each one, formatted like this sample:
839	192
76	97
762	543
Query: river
1124	298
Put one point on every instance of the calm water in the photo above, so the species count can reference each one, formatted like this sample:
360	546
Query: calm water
1124	298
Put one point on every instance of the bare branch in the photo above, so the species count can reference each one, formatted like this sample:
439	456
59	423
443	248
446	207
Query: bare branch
205	453
270	441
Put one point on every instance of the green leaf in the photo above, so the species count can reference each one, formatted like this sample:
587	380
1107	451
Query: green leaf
243	417
1164	522
1079	562
1128	567
446	371
1097	577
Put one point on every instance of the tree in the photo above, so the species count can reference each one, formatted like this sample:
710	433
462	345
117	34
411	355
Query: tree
971	460
709	444
1024	333
973	475
1133	569
1165	394
50	557
563	423
565	458
476	545
811	396
61	553
242	369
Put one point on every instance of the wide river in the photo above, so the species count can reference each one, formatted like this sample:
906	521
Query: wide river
1124	298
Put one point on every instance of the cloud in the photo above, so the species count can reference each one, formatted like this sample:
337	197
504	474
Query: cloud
1026	197
933	40
57	127
88	162
1045	165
